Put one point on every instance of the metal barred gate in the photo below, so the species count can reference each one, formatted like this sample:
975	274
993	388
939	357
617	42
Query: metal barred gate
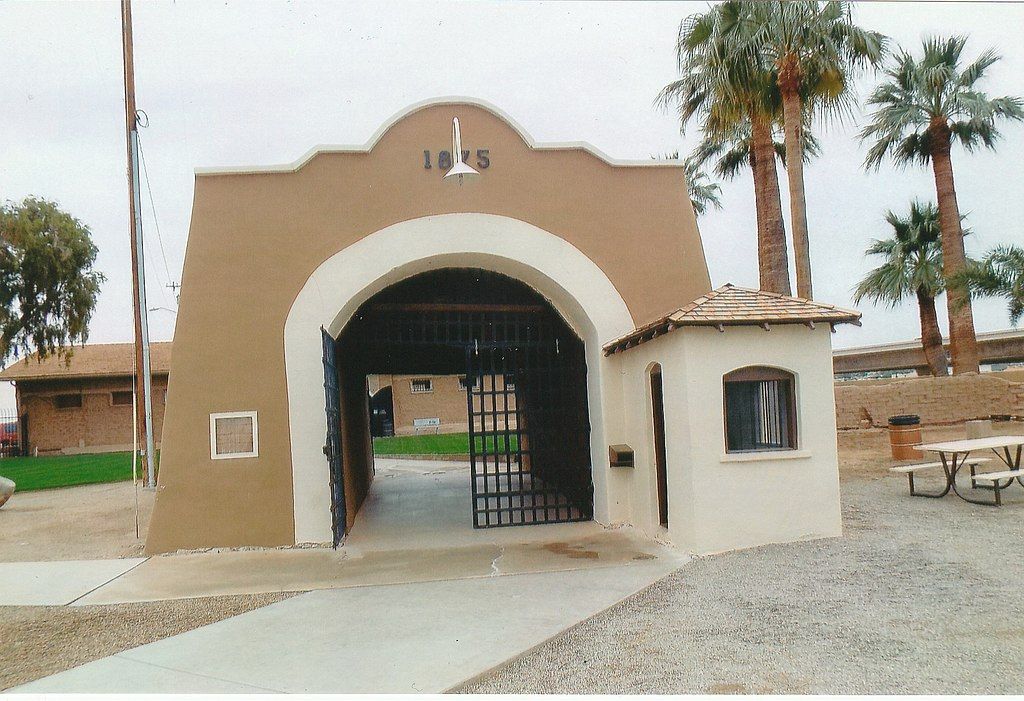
332	446
526	387
529	429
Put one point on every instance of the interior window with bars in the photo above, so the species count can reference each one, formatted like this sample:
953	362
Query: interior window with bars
234	435
421	386
464	383
760	410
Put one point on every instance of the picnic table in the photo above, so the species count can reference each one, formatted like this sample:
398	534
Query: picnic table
955	454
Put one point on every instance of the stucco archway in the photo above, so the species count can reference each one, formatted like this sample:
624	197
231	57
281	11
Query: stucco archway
577	288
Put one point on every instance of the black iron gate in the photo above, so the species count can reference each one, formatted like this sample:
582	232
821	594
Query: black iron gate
332	446
529	429
526	381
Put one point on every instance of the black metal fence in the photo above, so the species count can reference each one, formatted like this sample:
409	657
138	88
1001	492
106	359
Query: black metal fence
13	433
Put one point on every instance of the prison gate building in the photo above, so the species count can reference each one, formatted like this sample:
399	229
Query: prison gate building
84	404
550	283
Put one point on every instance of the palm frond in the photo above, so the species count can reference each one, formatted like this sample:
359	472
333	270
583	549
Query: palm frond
999	274
923	102
911	258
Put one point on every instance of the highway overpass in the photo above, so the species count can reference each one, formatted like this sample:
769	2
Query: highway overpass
995	347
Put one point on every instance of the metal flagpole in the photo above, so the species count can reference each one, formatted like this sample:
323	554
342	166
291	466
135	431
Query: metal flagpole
143	379
135	458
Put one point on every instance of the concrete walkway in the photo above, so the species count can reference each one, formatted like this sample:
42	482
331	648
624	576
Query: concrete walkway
415	526
423	637
417	600
57	583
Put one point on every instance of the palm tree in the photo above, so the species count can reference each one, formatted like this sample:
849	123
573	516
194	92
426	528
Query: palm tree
733	150
999	274
704	193
815	50
919	110
912	265
723	94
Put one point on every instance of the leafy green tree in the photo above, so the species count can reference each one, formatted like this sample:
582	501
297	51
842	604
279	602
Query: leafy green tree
921	109
721	92
814	50
911	266
999	274
48	287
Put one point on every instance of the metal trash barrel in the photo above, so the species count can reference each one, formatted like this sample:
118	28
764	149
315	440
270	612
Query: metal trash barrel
904	434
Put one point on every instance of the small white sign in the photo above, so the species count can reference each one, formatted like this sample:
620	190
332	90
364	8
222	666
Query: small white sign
424	423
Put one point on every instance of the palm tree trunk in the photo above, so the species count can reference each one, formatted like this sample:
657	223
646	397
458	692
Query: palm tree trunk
931	337
772	257
792	111
963	345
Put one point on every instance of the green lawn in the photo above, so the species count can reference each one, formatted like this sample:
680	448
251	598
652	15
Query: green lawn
435	444
66	470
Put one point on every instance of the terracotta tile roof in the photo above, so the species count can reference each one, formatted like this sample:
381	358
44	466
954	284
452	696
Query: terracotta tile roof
93	360
738	306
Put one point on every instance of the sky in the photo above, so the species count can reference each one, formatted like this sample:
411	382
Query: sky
256	83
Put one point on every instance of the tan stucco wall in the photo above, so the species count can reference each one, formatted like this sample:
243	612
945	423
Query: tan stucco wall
255	238
97	426
717	501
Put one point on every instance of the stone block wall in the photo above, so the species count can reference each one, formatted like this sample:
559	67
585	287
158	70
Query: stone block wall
937	400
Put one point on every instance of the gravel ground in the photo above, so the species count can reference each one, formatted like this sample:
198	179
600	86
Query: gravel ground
919	596
36	641
74	523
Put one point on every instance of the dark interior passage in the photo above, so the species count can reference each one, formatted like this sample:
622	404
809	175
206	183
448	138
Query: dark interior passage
658	418
526	390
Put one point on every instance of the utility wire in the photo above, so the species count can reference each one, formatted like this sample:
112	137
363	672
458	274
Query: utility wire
156	221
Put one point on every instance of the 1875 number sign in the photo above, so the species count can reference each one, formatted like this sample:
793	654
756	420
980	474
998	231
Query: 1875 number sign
444	159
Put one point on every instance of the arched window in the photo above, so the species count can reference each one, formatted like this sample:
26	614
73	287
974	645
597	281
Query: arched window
760	409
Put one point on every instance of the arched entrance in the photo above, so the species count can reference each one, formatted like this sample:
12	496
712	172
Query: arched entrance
570	282
526	391
382	413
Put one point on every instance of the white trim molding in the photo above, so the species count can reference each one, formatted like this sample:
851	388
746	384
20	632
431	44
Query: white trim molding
452	100
254	453
574	285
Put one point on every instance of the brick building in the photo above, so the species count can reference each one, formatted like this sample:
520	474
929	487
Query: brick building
85	405
413	404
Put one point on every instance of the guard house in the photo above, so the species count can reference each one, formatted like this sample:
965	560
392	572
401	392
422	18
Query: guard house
606	380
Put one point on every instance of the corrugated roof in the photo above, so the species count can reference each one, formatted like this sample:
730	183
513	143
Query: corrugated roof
738	306
93	360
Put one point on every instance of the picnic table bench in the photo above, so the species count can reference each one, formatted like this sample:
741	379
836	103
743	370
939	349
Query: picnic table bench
953	455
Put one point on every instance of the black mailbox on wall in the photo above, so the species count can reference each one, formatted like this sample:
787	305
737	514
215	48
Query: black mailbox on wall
620	455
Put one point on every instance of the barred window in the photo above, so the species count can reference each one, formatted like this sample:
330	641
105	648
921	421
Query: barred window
421	386
464	383
68	401
760	410
234	435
